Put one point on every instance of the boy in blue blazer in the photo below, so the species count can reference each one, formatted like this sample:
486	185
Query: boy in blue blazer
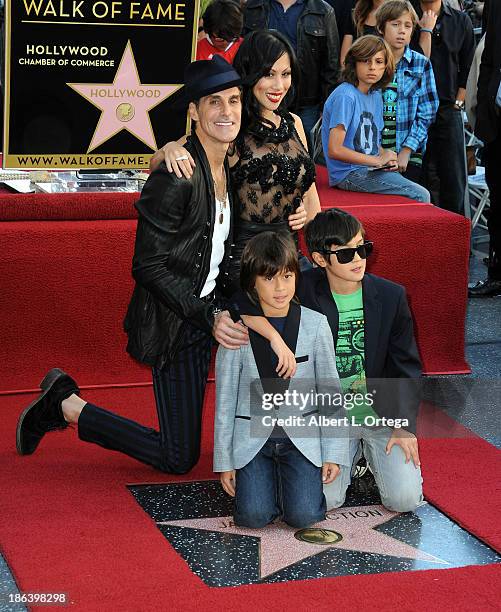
275	454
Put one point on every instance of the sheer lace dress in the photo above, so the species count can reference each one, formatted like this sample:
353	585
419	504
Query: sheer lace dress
272	174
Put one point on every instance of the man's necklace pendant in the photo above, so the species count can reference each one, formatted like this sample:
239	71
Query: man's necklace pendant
221	217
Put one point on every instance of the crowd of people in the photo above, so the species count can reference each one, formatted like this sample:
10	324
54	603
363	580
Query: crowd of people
216	254
432	46
421	116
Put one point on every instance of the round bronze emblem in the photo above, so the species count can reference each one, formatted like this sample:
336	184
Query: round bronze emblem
125	111
314	535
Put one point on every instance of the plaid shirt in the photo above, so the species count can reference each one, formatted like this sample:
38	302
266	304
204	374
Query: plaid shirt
417	100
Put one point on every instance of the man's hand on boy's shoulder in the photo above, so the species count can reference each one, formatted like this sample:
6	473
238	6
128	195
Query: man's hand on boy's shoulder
330	472
407	442
229	334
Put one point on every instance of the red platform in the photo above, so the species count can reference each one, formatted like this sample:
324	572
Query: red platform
65	267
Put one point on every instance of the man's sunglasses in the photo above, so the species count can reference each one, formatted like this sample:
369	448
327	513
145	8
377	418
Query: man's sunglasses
344	256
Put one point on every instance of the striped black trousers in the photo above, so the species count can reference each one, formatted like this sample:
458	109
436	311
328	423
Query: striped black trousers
179	394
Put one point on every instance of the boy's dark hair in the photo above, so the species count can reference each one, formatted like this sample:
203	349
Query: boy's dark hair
224	19
332	226
393	9
265	255
360	51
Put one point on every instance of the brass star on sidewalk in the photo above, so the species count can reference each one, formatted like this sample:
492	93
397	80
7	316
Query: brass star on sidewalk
124	104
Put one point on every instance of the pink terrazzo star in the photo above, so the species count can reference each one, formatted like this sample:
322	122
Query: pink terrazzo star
125	103
279	548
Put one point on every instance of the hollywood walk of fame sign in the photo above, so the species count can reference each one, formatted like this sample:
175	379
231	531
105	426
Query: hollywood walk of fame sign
90	83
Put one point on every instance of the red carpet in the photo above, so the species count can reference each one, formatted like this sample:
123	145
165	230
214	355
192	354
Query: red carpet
65	267
68	522
70	525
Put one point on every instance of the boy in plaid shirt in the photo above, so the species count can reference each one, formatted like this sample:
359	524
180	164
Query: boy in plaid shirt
410	101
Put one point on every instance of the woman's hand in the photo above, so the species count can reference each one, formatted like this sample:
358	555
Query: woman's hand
228	482
178	160
286	360
298	219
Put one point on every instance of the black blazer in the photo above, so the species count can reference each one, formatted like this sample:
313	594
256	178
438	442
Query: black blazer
390	347
488	122
389	344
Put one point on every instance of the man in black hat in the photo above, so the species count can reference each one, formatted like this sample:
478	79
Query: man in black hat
488	129
182	236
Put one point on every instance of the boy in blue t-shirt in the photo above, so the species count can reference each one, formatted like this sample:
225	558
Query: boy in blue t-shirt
352	126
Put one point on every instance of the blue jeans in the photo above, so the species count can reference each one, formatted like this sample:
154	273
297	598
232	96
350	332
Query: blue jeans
279	481
309	116
380	181
399	483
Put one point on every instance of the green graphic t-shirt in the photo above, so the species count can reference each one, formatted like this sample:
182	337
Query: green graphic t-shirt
350	355
389	135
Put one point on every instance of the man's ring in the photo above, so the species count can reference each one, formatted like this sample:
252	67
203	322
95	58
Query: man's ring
181	158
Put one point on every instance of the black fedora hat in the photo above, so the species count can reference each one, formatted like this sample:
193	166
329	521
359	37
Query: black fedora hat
205	77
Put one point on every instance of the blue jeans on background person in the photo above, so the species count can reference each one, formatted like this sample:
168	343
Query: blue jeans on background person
400	484
384	182
279	481
309	115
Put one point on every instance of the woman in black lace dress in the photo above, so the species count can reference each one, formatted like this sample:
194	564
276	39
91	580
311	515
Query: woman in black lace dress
272	174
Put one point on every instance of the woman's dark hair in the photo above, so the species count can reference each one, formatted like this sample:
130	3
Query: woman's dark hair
224	19
332	226
360	51
265	255
254	59
360	14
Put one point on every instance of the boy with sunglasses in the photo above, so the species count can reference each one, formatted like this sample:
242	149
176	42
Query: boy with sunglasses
373	335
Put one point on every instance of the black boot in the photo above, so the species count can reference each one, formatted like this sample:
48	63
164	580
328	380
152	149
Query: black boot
491	286
44	413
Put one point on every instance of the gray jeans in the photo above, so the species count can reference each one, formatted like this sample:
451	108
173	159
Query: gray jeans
399	483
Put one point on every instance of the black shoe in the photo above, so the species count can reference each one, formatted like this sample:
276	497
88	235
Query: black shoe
45	413
486	288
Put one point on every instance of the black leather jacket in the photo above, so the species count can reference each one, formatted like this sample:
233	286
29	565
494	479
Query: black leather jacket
171	260
317	47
